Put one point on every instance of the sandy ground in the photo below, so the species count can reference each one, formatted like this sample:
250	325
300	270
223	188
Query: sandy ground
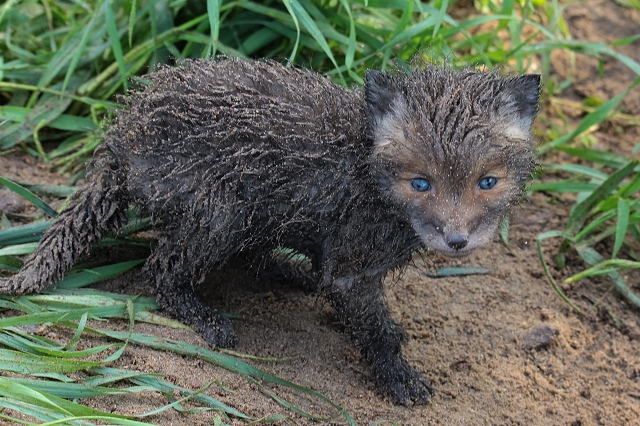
500	348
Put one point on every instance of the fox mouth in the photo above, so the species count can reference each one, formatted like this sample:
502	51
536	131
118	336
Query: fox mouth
451	252
449	245
438	245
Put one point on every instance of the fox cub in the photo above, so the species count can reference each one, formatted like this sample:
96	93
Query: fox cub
233	157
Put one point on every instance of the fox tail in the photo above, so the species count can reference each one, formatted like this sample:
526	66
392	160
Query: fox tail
92	213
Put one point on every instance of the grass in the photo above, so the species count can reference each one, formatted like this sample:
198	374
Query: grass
607	205
62	63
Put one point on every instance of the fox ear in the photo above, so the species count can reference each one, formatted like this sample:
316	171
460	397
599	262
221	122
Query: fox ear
381	93
520	96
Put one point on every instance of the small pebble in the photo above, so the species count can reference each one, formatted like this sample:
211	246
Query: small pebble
540	337
10	202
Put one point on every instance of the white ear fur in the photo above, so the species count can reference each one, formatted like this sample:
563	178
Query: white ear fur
381	94
519	104
385	103
516	131
387	130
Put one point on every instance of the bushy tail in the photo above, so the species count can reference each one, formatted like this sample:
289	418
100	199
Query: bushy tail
92	213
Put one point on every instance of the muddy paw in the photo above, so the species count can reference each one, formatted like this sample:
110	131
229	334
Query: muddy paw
219	334
404	384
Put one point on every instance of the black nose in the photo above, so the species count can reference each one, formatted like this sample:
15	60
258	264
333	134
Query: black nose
457	241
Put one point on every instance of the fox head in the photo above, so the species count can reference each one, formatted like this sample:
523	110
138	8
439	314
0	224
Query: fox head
453	148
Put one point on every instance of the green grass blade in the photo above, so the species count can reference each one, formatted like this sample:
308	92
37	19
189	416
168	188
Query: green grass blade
132	19
164	386
622	224
286	403
110	375
456	271
48	108
605	158
630	188
604	267
58	62
62	122
581	210
79	49
106	417
58	191
109	311
65	354
11	389
72	343
231	364
578	170
30	410
30	87
300	13
564	186
554	284
67	302
112	29
213	9
85	297
10	339
351	46
29	196
593	225
593	118
635	66
24	363
92	276
399	27
68	390
19	249
23	234
7	6
592	258
440	16
294	51
151	318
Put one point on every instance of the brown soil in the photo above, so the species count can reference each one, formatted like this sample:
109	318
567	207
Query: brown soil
500	348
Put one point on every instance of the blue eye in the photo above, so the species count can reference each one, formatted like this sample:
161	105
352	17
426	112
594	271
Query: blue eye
488	182
420	185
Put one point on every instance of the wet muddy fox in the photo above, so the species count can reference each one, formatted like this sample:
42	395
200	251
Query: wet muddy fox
236	157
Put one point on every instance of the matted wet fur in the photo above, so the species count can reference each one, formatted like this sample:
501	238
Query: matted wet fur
237	156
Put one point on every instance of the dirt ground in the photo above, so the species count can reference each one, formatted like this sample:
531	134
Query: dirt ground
500	348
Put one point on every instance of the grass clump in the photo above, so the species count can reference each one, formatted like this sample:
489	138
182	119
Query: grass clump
607	204
49	384
608	207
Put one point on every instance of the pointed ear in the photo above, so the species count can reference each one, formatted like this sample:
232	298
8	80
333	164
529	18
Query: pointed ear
381	92
520	96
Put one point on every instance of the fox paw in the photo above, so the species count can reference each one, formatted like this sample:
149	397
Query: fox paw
218	334
411	388
404	384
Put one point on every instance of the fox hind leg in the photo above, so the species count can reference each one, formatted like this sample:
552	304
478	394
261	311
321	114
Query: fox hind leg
179	264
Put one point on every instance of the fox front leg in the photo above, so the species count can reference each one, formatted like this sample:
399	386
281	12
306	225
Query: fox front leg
361	308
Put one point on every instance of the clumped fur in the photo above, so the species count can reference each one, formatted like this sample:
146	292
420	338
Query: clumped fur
235	157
